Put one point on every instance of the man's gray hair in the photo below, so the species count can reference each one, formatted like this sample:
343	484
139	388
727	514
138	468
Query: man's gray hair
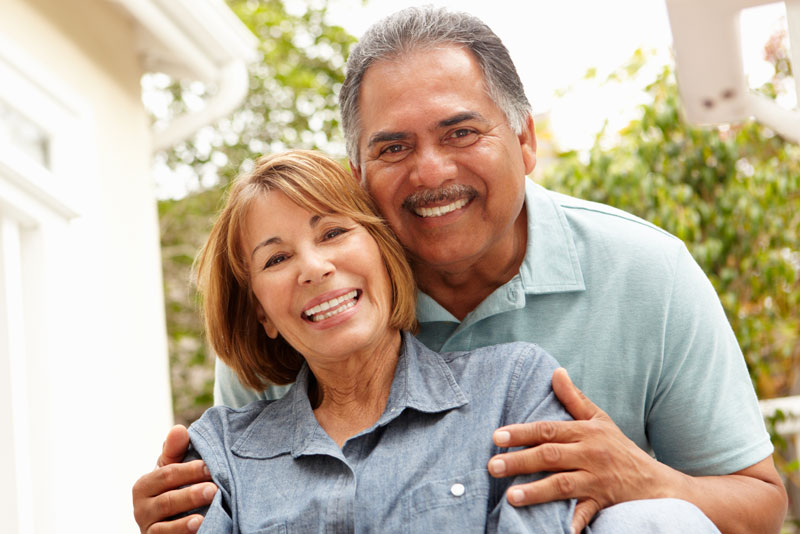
418	28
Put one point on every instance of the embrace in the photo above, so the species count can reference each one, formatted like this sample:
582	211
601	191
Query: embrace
455	428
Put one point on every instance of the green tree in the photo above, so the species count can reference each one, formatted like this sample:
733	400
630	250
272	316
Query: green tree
291	103
732	194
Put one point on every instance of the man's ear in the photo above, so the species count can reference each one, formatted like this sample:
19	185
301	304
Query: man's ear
527	144
356	172
269	328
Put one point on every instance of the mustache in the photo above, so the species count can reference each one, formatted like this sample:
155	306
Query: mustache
449	193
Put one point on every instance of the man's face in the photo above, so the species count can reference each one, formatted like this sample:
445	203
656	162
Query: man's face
440	159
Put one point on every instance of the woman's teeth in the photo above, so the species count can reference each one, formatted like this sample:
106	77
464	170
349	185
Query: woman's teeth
332	307
438	211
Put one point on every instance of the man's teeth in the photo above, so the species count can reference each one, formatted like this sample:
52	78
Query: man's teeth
438	211
332	307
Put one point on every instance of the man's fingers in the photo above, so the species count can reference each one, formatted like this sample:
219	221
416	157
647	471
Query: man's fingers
170	477
556	487
584	513
549	457
530	434
184	525
175	446
173	503
577	404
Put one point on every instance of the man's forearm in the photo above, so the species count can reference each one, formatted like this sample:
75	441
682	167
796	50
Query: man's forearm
751	500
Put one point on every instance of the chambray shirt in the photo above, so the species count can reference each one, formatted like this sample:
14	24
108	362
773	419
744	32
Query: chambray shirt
421	468
623	306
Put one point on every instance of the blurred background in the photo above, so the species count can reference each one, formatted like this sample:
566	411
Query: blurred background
122	122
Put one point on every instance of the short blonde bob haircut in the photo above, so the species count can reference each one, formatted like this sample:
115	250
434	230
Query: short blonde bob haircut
319	184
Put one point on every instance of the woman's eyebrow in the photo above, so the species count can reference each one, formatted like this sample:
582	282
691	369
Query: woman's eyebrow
265	243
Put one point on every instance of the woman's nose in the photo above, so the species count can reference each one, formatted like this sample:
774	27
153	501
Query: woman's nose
315	267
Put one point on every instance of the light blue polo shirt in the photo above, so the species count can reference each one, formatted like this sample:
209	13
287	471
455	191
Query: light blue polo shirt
623	306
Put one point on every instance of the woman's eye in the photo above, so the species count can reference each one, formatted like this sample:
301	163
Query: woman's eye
334	232
275	260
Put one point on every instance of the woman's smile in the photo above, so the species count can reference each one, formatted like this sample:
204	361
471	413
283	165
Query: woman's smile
332	307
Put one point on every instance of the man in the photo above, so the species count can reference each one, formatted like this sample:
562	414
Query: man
440	132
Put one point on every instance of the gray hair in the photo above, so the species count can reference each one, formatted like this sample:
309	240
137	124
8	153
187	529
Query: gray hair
418	28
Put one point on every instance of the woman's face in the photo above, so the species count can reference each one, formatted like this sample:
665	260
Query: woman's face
320	279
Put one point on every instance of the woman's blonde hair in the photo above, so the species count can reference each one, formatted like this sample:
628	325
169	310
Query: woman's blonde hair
319	184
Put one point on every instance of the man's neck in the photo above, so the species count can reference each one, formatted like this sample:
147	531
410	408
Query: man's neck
461	287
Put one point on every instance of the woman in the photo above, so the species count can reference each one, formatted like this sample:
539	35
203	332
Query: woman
302	282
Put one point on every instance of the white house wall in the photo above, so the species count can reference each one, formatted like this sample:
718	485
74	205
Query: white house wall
95	404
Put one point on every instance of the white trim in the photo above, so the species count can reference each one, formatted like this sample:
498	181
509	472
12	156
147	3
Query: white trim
36	181
48	103
790	406
12	358
45	97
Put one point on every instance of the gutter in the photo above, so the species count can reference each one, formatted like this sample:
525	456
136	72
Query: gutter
197	40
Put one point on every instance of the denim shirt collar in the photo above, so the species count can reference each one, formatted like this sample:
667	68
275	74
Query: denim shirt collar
422	381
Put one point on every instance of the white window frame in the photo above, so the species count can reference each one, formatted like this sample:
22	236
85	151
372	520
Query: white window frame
34	201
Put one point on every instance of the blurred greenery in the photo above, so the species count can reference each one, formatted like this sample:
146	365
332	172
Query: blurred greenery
291	103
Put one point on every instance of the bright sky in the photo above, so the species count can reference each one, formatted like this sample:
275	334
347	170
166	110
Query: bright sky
553	44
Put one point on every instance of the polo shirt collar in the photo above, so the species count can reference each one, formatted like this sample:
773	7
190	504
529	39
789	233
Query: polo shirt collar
422	381
551	263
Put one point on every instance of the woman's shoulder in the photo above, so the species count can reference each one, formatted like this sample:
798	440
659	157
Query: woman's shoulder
509	354
499	363
221	420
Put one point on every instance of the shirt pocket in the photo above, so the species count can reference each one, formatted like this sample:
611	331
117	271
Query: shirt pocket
457	504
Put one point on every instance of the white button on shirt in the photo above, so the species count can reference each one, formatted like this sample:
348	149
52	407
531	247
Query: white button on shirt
457	489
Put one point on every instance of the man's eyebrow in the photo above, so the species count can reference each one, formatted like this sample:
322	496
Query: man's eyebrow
462	117
382	137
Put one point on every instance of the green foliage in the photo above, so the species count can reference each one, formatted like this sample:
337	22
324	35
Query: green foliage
732	195
291	103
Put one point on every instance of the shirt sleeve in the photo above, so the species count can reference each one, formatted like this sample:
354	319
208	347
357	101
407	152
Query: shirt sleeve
704	418
207	443
531	398
228	391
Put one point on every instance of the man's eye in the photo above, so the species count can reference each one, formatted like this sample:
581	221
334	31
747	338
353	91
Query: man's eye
462	137
394	152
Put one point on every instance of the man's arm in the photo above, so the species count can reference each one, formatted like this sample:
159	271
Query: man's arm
160	494
597	464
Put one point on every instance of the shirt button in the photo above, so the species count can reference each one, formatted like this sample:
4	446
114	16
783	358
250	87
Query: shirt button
457	489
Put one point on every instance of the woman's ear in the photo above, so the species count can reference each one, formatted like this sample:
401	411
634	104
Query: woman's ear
269	328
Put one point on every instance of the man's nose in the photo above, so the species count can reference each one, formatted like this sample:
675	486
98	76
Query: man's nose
315	267
433	167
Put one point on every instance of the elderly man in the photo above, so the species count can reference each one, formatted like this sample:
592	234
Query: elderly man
440	132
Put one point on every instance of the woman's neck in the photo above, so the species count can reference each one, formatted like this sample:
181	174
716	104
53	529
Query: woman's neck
351	394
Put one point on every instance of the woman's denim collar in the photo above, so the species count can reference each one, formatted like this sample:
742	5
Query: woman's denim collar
422	381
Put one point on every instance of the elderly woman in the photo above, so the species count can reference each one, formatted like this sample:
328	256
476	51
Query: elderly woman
302	282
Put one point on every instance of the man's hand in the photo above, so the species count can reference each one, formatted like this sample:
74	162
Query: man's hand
592	460
156	495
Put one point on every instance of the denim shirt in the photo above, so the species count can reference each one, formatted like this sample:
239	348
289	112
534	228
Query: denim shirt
420	468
